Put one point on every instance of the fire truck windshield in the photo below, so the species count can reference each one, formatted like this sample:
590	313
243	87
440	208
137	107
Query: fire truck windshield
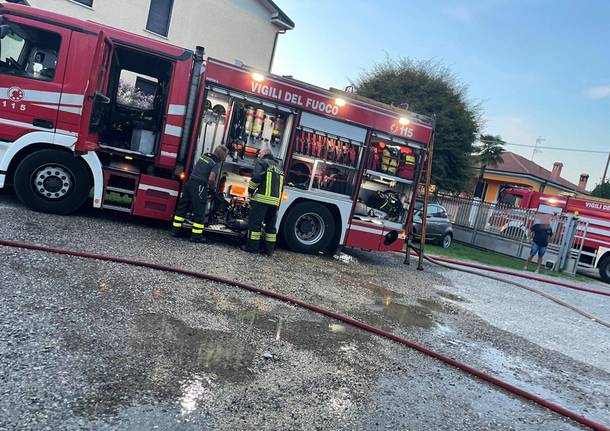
28	52
510	199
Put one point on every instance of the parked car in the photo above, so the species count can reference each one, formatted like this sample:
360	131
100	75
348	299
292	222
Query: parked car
438	226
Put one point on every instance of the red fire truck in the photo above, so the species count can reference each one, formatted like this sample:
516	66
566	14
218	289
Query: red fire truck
92	112
595	212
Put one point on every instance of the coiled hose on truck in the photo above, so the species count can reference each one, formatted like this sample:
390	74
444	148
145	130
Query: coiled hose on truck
328	313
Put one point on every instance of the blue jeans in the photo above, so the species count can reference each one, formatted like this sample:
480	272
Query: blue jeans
537	250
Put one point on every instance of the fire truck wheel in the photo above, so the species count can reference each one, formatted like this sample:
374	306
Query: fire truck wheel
309	227
52	181
604	269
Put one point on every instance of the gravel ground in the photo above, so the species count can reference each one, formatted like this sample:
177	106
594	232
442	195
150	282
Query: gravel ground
94	345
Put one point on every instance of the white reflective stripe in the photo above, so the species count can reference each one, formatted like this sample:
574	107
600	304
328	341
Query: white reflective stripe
71	109
366	229
159	189
590	229
66	132
176	110
72	99
595	221
45	96
21	124
41	96
168	154
173	130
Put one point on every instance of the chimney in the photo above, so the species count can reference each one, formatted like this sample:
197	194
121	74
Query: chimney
582	183
556	172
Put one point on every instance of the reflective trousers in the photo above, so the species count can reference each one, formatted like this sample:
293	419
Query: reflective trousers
194	198
260	213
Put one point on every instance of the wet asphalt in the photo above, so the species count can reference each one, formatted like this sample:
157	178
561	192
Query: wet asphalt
86	344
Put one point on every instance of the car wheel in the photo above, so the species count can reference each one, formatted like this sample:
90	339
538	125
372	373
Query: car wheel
52	181
447	240
309	227
604	269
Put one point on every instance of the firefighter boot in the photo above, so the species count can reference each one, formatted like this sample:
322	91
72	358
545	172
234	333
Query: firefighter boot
253	242
270	240
177	230
197	234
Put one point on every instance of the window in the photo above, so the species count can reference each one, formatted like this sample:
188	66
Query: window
29	52
85	2
136	90
159	16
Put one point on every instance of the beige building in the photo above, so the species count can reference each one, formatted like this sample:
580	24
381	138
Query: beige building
245	30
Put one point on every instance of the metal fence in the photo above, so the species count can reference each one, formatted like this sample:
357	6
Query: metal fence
512	224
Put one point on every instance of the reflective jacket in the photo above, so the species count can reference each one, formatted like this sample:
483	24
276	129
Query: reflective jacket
203	167
267	181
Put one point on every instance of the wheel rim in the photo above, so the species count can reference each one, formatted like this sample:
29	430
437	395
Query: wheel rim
52	182
309	228
446	241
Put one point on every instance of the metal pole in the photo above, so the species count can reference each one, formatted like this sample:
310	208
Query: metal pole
420	265
606	169
409	222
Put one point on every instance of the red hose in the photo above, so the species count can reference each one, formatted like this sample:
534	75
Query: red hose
517	274
323	311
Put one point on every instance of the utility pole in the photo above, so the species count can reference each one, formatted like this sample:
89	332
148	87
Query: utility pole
606	169
539	140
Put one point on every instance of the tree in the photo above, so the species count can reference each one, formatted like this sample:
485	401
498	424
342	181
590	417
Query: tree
489	153
602	190
430	88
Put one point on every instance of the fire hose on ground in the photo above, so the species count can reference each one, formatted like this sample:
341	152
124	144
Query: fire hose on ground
328	313
438	261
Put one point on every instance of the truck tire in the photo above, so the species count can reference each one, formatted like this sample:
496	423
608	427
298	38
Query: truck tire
309	227
52	181
604	269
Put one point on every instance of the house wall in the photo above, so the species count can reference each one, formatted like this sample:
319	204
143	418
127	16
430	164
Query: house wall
227	29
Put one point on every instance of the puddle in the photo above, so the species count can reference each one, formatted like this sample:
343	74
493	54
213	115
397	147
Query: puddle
326	337
161	358
432	305
409	315
451	296
194	349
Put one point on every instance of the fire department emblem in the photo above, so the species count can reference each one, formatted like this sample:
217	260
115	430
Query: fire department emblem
16	94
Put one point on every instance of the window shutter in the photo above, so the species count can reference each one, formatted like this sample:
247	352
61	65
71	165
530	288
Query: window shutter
159	16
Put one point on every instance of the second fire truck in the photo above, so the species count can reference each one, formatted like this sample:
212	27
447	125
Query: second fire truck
595	213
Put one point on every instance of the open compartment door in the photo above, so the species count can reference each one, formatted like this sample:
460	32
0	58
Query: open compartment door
96	102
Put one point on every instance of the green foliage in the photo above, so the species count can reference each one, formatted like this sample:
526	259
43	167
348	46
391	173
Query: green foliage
430	88
490	150
602	190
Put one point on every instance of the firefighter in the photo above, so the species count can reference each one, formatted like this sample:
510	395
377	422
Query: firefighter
266	190
195	193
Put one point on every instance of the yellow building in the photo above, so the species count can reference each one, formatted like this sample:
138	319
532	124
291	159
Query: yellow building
517	171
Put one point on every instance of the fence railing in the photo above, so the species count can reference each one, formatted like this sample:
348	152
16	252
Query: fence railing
512	223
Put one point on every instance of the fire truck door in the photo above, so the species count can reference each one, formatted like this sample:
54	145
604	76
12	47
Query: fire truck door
32	64
96	103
